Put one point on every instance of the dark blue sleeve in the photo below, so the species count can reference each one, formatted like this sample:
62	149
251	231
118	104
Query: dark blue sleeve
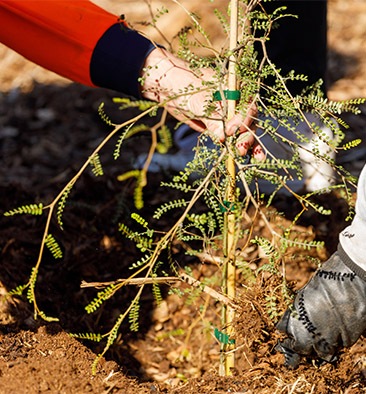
118	58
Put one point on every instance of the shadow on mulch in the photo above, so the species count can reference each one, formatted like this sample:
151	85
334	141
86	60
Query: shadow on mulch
339	65
45	137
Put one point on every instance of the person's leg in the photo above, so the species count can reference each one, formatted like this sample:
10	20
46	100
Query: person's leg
299	43
353	238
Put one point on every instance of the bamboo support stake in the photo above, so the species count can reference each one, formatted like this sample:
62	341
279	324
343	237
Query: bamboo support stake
230	166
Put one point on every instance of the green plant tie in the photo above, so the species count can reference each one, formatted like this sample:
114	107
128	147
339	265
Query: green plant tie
223	338
227	206
229	95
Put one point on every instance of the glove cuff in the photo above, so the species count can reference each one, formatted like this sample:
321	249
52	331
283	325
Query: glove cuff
350	264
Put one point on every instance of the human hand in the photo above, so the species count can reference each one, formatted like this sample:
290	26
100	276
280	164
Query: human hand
167	76
328	313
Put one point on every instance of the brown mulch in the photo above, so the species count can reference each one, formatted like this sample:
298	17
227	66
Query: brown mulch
47	130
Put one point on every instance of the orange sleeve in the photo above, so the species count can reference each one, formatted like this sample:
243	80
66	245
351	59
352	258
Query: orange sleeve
58	35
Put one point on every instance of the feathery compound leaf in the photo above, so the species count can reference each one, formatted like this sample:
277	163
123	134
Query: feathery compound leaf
111	338
61	204
137	195
304	244
272	309
351	213
168	206
100	298
336	107
269	250
129	174
17	291
142	243
53	246
157	293
215	206
165	140
223	20
32	209
143	105
113	334
180	186
47	318
133	315
173	333
32	282
140	220
126	230
103	115
88	335
140	262
96	165
128	132
350	144
319	208
139	175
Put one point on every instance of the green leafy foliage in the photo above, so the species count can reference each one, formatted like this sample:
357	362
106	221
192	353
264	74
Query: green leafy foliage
173	333
142	242
103	115
304	244
269	250
160	12
53	246
140	176
100	298
127	133
140	220
96	165
245	271
137	195
165	137
47	318
88	335
62	203
272	308
351	144
169	206
32	209
110	340
141	262
129	174
201	228
17	291
157	293
133	315
142	105
31	285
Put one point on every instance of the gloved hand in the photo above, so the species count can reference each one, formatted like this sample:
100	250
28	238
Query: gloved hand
328	313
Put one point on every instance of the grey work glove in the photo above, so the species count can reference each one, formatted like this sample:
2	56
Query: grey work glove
328	313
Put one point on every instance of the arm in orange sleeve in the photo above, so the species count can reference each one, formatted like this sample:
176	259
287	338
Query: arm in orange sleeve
77	40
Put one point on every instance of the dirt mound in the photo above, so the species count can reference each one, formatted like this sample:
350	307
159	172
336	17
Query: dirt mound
48	128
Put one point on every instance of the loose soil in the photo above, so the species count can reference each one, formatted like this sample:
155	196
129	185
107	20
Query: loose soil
48	127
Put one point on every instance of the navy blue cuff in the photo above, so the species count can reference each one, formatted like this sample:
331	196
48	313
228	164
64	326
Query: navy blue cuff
118	58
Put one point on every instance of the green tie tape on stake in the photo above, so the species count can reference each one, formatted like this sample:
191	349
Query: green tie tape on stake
227	206
223	338
229	95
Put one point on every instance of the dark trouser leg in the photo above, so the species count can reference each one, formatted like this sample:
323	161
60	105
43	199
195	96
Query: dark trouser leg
299	44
